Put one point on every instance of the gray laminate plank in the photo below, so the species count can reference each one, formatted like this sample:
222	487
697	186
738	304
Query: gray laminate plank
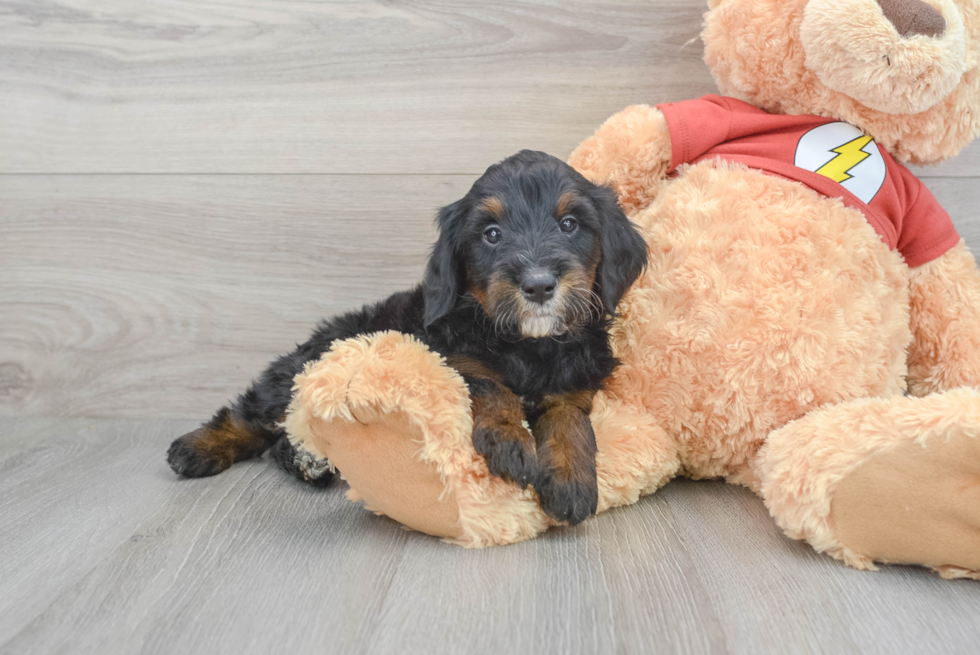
105	551
252	560
164	295
966	164
247	561
621	583
285	227
69	500
960	197
362	86
355	86
19	433
772	594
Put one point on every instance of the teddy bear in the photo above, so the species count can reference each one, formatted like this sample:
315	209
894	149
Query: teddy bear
808	325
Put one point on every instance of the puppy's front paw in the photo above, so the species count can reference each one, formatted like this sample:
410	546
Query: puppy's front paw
186	457
568	500
508	449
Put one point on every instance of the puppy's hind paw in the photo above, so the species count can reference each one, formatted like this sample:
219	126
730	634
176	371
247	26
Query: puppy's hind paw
301	464
188	459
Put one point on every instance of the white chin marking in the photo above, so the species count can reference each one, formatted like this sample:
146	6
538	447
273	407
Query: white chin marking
537	327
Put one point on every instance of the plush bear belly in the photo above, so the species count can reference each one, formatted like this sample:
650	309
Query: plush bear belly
762	300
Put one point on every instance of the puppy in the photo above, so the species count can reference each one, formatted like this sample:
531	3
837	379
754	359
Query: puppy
517	296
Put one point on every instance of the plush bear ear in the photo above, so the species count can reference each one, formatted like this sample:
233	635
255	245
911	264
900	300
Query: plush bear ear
624	252
443	275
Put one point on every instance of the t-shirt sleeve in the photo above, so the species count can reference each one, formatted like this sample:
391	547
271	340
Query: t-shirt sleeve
927	230
696	126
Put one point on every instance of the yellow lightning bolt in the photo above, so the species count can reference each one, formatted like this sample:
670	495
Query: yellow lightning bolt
848	156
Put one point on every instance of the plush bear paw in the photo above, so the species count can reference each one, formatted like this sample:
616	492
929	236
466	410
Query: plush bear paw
917	502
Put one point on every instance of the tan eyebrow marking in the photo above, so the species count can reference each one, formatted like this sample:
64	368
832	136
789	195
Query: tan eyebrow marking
493	206
565	203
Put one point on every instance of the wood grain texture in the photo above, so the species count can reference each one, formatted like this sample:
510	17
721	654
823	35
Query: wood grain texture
759	581
332	87
105	551
164	295
966	164
67	501
354	86
18	433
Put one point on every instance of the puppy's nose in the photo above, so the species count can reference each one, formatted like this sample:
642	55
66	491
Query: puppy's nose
539	286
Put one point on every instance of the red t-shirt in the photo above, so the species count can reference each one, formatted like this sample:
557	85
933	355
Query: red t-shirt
833	158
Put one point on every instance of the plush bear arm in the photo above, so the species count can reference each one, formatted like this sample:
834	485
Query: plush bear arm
945	322
631	153
397	423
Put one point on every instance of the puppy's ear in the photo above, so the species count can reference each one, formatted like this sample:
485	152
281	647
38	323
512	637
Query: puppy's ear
624	252
442	282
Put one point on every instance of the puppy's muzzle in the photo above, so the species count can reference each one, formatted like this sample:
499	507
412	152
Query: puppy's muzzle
538	286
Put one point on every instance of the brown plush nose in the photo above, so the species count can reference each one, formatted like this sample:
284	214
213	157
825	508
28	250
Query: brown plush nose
911	17
539	286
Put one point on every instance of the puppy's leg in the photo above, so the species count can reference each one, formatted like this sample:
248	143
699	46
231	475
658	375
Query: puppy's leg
302	465
566	484
499	434
225	439
250	426
243	430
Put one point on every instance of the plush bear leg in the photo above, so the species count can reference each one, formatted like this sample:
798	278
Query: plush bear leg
944	298
894	480
396	422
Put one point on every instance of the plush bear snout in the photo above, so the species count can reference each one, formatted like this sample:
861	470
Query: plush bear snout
911	17
894	56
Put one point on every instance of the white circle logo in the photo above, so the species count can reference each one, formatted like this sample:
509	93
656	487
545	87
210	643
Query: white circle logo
844	154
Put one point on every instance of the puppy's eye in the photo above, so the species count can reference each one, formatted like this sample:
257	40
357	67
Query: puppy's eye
568	225
492	234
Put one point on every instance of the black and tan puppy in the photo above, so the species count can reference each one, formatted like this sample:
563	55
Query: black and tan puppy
524	277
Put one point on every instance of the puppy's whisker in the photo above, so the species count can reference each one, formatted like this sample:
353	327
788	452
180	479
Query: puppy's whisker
595	303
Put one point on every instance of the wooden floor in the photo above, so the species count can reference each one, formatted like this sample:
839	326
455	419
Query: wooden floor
105	552
185	188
